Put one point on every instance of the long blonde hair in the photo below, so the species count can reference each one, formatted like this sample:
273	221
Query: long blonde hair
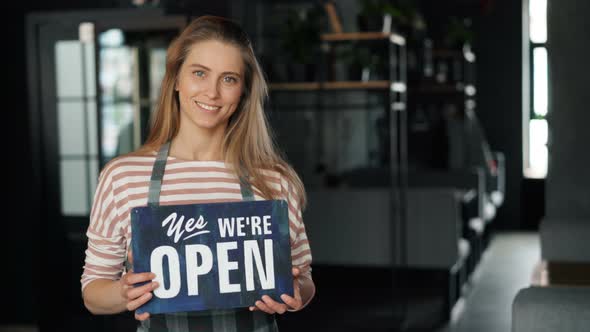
248	144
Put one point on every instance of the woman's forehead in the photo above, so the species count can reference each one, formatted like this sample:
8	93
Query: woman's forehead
216	56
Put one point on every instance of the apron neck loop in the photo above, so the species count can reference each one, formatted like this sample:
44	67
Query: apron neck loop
158	176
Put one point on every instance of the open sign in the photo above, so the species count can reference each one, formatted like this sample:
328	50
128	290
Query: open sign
213	256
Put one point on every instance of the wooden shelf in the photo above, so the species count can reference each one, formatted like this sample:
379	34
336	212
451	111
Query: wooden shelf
354	36
295	86
336	85
351	36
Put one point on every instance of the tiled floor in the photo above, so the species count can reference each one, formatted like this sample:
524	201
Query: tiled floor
507	267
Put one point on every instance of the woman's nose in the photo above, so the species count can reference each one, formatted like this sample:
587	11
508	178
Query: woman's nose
212	89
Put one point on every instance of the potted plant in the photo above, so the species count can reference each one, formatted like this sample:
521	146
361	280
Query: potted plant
375	14
403	17
458	32
300	39
358	63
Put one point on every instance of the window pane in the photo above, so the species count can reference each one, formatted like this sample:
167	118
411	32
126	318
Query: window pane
538	154
71	128
538	20
68	65
157	69
539	132
90	70
116	80
540	81
74	188
538	161
117	129
111	38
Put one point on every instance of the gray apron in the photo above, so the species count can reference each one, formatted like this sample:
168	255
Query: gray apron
231	320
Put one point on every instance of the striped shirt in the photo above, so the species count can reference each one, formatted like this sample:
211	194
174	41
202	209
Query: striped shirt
123	184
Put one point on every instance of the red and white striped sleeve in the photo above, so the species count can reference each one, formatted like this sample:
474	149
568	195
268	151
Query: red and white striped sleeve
105	253
300	249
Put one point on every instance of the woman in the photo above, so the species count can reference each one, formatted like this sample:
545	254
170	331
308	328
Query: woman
210	116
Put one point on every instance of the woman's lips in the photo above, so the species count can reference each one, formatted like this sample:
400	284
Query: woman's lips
207	107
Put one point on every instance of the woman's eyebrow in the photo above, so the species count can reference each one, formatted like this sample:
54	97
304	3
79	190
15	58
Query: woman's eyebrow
199	65
208	69
232	72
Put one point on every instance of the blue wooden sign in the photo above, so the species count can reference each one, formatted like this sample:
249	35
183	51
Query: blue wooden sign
213	256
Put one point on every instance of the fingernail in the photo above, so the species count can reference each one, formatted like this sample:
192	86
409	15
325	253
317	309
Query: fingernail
283	297
155	285
153	275
251	308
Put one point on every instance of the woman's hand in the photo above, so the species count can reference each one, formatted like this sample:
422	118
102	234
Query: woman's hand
294	303
137	296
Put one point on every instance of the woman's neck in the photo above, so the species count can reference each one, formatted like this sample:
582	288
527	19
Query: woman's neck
195	144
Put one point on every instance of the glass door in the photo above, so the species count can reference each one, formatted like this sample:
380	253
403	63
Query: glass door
93	82
131	66
63	115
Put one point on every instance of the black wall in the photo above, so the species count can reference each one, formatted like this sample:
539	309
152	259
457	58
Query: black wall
498	46
568	181
21	276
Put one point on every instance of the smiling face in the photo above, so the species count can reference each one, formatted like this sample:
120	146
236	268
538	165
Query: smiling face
210	85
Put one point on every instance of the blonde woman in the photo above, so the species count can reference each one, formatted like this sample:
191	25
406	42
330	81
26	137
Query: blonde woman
209	131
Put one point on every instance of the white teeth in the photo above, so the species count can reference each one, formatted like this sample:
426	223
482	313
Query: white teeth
207	107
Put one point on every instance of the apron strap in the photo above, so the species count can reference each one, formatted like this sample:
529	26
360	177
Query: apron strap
158	175
246	189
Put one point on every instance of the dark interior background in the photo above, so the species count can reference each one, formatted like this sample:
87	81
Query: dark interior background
499	64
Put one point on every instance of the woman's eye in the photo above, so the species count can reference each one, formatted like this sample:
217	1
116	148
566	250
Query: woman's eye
229	79
199	73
